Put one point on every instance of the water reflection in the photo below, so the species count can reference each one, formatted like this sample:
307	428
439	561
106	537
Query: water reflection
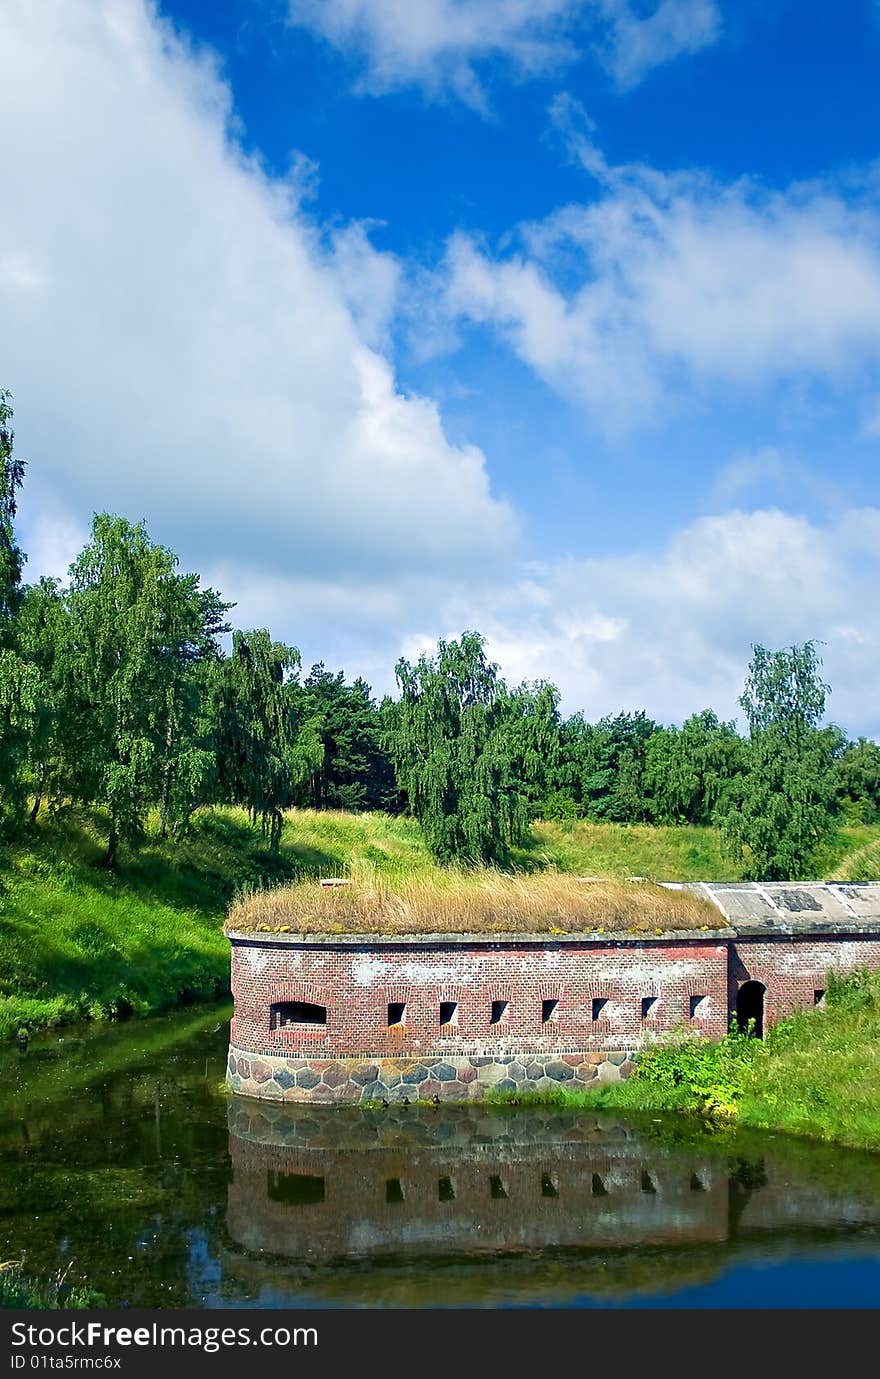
456	1180
120	1152
594	1197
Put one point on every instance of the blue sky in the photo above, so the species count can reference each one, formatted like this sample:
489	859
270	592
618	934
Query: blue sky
559	319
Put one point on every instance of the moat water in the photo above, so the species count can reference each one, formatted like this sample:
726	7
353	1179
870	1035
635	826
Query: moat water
123	1162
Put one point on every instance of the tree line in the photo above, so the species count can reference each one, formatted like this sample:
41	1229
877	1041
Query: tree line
117	690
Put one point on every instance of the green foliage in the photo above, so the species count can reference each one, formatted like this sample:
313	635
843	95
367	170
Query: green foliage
44	632
266	748
468	752
690	771
78	941
682	852
11	478
135	629
355	771
18	694
856	778
818	1073
784	806
707	1076
532	732
602	764
860	862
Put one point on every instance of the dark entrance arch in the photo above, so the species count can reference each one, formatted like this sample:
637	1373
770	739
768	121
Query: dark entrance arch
750	1008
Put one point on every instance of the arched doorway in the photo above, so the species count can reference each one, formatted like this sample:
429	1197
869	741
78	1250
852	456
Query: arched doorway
750	1009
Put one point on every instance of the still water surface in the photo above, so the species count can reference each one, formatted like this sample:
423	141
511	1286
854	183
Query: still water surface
121	1156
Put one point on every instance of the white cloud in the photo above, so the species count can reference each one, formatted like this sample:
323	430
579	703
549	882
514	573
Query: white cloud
54	539
441	45
758	473
637	44
668	630
368	280
671	630
674	281
184	344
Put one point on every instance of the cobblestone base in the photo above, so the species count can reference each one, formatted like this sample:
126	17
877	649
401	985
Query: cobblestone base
439	1078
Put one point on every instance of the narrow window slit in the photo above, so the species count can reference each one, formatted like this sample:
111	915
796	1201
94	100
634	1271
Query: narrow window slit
497	1190
548	1187
597	1186
648	1184
597	1007
445	1190
649	1006
396	1012
449	1012
498	1012
393	1190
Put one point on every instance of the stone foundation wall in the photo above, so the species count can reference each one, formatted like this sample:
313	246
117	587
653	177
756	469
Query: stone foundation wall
441	1077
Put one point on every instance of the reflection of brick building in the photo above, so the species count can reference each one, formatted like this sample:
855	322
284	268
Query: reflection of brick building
467	1181
348	1018
405	1183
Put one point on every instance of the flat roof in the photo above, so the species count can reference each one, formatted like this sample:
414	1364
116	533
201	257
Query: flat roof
792	906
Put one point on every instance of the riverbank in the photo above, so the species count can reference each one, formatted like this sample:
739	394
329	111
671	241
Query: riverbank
815	1075
78	941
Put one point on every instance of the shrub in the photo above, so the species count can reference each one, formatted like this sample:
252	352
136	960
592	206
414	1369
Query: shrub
710	1075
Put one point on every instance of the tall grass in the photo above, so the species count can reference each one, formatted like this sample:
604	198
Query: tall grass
818	1073
19	1289
663	853
860	864
484	901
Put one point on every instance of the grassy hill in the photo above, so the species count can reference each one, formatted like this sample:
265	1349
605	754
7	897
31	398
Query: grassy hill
77	941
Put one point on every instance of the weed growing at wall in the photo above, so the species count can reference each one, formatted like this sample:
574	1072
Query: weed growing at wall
708	1076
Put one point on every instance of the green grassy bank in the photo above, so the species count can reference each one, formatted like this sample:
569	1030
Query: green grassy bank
817	1074
78	941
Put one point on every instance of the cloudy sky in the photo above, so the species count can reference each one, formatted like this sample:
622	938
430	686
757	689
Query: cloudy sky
557	319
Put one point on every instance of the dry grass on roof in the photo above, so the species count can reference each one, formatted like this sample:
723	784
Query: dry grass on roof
484	902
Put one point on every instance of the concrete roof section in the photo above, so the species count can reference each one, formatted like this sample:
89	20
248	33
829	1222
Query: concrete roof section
793	906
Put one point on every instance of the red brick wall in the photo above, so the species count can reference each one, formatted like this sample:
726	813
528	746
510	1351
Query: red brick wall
357	983
792	969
